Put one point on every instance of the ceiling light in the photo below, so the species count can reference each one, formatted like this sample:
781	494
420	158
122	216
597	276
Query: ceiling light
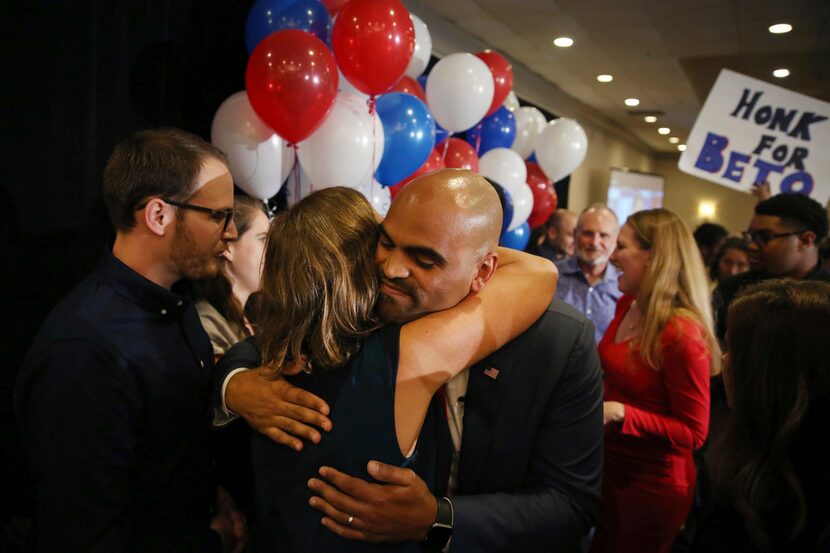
674	140
780	28
650	119
605	78
781	73
681	147
664	130
563	42
632	102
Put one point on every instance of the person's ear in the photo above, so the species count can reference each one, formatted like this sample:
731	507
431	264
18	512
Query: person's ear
157	216
807	238
485	271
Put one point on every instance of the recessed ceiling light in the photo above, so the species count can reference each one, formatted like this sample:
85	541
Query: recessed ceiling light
681	147
650	119
780	28
631	102
605	78
563	42
781	73
664	130
674	140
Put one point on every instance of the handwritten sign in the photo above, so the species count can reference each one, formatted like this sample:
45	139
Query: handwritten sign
750	131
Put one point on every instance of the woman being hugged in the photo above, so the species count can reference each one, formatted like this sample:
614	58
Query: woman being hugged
657	355
319	330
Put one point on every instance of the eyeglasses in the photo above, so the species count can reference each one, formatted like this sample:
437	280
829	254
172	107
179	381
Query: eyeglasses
221	216
764	237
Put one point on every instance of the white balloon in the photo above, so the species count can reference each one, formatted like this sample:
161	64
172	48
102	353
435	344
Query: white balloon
504	166
378	195
459	91
258	159
522	197
423	48
530	122
561	148
346	149
511	102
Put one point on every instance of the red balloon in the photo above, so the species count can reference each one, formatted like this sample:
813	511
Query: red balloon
410	86
502	77
459	155
373	41
544	196
334	6
291	80
433	163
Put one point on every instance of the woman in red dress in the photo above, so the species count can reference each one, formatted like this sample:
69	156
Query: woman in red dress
657	355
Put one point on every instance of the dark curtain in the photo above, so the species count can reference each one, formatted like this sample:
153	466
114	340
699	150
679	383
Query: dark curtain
79	76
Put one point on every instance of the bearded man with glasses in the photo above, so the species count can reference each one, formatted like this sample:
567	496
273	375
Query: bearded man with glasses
112	398
783	239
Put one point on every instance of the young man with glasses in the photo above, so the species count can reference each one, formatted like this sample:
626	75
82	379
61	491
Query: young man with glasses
113	395
783	239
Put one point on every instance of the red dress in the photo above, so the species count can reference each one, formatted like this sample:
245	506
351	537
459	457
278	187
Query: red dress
649	474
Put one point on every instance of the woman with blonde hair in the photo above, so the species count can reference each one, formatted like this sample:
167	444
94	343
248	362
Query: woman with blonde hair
657	355
768	465
319	330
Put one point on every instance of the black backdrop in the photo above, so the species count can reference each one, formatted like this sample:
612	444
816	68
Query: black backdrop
79	76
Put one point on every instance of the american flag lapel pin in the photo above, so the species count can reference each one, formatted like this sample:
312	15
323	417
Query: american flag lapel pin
492	372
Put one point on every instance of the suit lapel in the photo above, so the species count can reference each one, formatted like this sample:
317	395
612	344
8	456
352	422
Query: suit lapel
485	392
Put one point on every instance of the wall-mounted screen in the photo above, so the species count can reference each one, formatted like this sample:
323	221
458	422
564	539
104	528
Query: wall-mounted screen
631	191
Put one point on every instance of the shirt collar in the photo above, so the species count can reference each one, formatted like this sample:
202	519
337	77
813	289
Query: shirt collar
570	266
146	294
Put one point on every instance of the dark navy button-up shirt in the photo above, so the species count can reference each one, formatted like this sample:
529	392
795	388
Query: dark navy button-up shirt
113	401
597	302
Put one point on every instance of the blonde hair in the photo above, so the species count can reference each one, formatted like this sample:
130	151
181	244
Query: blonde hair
319	283
674	283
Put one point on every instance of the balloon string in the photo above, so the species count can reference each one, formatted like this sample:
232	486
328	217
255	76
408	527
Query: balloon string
446	147
371	103
478	138
296	171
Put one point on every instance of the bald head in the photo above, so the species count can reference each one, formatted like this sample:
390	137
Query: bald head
437	244
460	200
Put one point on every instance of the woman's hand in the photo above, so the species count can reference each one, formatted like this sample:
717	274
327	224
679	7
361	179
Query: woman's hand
612	411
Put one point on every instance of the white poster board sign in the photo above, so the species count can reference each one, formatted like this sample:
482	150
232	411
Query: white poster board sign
750	131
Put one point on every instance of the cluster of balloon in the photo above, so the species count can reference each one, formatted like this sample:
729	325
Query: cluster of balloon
340	83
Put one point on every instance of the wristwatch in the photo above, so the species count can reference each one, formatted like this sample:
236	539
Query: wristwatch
441	532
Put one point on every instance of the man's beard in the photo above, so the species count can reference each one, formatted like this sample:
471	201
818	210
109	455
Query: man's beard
187	259
593	262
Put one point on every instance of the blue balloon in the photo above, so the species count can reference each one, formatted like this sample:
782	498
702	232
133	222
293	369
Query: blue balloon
408	135
422	80
517	238
532	157
269	16
495	131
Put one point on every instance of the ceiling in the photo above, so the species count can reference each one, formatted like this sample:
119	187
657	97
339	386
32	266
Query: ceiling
666	53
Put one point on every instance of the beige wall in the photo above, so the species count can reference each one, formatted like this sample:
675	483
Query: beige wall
589	183
733	208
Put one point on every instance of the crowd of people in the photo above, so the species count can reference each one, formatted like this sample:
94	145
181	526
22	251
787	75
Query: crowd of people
332	381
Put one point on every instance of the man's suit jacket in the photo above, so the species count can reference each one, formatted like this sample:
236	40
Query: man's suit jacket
531	452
